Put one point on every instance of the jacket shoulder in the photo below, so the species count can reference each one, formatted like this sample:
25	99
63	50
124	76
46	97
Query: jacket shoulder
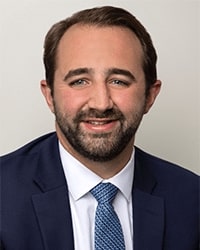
30	148
162	167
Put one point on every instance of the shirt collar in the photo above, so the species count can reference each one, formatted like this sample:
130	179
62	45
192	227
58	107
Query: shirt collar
81	180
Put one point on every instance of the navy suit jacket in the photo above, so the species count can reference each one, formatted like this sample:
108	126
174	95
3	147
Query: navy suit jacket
35	209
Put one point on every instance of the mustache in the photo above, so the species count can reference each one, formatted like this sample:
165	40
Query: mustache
113	114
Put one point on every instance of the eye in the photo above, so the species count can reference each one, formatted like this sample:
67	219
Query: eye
117	82
78	83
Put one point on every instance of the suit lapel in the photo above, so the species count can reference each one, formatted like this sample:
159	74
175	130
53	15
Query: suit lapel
148	210
52	205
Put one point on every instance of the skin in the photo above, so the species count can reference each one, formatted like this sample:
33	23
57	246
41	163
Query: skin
86	79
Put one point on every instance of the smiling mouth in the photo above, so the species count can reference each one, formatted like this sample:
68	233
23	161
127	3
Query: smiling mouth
99	123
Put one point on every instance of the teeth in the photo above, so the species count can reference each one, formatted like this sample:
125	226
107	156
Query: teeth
98	122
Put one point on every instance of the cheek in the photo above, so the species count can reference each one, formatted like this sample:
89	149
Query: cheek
130	102
68	102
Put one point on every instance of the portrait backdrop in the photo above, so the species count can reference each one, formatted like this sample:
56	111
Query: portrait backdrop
171	130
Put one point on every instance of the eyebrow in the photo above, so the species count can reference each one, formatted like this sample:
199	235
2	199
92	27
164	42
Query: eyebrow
76	72
117	71
111	71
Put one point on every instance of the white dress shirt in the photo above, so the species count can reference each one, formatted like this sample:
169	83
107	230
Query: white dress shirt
83	205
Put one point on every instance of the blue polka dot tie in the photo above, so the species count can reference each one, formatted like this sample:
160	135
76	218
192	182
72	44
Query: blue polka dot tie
108	230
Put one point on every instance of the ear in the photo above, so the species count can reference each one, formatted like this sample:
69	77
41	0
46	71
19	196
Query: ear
153	93
47	93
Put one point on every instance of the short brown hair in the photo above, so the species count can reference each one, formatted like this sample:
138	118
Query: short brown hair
101	17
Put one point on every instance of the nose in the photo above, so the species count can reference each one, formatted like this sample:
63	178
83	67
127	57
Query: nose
100	97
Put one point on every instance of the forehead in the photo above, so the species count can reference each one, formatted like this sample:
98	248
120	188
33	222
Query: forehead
89	41
92	31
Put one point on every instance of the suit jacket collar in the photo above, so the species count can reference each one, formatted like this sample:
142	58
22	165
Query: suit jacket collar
53	209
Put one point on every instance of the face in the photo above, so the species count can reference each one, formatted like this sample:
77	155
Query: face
99	91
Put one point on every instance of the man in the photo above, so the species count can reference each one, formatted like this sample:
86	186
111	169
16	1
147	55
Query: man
100	80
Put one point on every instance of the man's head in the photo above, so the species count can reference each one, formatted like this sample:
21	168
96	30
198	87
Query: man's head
107	16
101	80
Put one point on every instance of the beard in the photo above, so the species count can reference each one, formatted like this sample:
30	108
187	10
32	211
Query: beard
99	147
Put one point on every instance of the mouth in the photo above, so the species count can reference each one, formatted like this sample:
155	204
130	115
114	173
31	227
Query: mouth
99	125
98	122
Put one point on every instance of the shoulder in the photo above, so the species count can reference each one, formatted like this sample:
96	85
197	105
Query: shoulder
29	149
18	168
165	171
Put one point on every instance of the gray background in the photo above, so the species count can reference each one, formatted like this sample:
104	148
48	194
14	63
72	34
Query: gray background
170	130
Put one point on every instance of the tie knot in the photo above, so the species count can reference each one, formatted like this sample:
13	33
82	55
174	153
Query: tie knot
104	192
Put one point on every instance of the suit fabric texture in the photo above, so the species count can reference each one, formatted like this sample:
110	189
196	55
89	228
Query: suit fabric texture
35	210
